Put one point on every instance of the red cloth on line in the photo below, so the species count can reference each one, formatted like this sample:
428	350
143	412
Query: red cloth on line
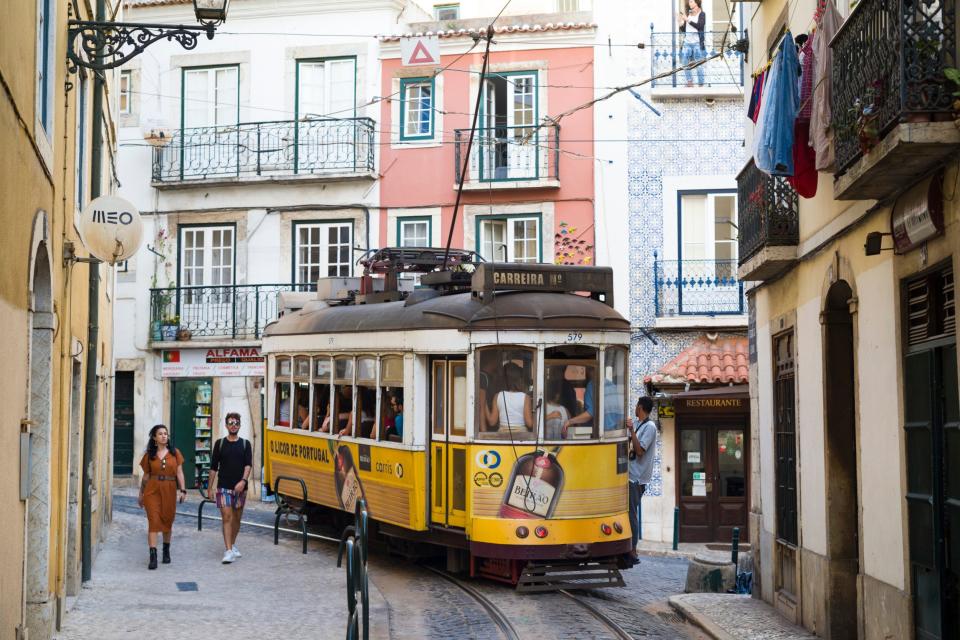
804	178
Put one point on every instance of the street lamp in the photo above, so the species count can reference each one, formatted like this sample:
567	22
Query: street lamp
106	45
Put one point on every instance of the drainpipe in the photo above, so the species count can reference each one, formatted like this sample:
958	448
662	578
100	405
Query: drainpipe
93	311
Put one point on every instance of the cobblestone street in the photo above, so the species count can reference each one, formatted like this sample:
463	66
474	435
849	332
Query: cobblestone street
277	592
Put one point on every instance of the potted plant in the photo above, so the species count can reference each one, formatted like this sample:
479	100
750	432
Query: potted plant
953	75
170	325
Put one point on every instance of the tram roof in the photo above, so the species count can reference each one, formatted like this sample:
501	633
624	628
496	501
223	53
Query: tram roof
507	310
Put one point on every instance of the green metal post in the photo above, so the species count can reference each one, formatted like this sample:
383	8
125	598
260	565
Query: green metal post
676	528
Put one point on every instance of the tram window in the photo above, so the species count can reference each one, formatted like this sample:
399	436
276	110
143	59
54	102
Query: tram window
439	398
570	397
614	390
322	372
301	393
506	392
391	399
366	396
342	413
282	396
458	398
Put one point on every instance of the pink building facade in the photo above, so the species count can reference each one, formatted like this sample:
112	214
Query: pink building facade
529	190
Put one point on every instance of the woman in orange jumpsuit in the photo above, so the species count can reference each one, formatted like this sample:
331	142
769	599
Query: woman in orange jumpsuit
161	488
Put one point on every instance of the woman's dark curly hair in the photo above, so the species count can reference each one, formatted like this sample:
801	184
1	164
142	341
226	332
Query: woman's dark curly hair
152	444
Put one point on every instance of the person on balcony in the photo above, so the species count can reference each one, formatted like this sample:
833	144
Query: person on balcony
693	47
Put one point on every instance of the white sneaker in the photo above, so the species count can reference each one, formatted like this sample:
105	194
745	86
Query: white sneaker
236	552
228	556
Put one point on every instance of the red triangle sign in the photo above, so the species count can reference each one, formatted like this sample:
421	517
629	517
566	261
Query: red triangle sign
420	54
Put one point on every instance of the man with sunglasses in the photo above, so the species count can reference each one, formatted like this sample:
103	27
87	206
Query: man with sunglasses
230	466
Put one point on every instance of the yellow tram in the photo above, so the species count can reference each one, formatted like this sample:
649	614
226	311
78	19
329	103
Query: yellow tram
483	411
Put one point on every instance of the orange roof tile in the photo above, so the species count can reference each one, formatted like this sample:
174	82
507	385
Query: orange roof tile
721	361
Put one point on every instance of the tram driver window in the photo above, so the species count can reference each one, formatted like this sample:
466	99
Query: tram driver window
391	399
506	393
300	417
614	390
340	420
322	375
282	396
366	396
570	399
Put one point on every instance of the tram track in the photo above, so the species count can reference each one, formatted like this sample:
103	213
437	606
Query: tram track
498	617
618	631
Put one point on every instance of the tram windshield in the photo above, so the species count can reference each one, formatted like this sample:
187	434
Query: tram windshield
506	392
570	399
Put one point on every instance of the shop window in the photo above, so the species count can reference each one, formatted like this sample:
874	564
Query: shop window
571	397
366	397
506	392
343	397
391	399
282	394
615	409
300	416
322	378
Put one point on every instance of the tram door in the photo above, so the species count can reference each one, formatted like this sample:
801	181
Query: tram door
448	450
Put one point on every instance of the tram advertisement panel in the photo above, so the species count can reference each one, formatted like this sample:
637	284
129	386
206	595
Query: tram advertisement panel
548	482
338	473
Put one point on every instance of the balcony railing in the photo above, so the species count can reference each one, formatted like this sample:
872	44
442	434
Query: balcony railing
230	311
255	149
888	63
666	53
502	154
767	212
697	287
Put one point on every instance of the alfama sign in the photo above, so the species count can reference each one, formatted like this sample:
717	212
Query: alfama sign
212	363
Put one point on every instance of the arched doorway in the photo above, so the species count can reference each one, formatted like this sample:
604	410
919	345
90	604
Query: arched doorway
840	452
39	605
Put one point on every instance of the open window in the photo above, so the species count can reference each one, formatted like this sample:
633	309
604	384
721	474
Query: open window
322	378
366	397
571	399
342	416
506	393
300	406
391	399
282	393
615	410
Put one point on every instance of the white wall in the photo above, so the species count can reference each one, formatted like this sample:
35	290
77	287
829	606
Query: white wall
811	471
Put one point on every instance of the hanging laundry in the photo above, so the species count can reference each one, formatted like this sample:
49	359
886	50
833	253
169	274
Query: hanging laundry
756	96
773	153
805	177
821	136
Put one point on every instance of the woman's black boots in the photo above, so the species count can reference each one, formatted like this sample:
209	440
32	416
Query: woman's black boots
166	553
153	558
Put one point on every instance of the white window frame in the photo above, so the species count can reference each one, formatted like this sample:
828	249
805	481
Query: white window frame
403	223
323	244
208	268
568	6
46	64
438	10
510	237
125	93
409	102
80	142
709	240
329	106
214	102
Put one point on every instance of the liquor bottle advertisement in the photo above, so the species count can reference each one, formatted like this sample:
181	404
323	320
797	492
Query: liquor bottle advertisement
348	486
535	485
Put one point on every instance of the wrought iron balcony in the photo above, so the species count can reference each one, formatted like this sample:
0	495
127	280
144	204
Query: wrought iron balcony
697	287
322	147
509	155
217	312
768	223
889	59
667	52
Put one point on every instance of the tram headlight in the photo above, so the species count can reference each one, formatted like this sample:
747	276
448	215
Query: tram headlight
606	529
540	532
522	531
617	527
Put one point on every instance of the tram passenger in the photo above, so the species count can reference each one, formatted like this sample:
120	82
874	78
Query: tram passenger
491	383
367	409
585	417
396	405
344	410
303	415
557	414
512	408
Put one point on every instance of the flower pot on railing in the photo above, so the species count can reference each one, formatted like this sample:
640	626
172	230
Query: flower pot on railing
169	328
156	331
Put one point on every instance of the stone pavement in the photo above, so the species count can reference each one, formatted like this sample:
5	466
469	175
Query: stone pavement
734	617
293	595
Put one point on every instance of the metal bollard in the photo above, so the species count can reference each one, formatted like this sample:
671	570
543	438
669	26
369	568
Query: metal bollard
676	528
736	546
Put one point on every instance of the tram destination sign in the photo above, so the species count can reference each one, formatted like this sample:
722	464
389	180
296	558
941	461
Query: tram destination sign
499	276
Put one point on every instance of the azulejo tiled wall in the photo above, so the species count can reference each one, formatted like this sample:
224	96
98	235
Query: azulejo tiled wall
689	137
